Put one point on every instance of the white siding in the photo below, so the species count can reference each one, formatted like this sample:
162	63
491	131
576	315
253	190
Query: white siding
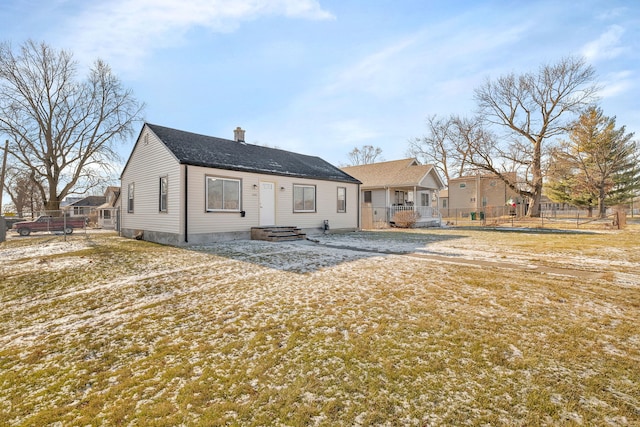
379	198
149	161
326	205
429	181
200	221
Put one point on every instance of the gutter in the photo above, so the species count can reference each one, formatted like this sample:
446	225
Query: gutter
359	209
186	204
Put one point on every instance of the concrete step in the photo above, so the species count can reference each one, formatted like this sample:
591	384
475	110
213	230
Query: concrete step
277	233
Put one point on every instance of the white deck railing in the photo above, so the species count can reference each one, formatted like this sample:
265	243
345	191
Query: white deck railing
426	212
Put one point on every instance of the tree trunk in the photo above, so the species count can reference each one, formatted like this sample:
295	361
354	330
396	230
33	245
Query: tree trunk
602	208
536	172
52	206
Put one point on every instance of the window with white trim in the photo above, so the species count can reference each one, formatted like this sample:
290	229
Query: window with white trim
131	187
164	184
80	210
342	199
223	194
304	198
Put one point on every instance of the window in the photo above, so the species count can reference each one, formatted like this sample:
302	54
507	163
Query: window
342	199
462	185
399	197
223	194
304	198
130	198
424	199
164	183
80	210
444	203
106	214
367	196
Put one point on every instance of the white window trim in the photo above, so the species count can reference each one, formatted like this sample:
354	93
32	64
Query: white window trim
130	197
166	194
315	198
221	178
344	200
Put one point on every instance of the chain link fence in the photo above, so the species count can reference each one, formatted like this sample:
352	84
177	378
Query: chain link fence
62	222
516	217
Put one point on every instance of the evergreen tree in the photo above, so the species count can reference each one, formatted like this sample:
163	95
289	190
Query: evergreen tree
597	167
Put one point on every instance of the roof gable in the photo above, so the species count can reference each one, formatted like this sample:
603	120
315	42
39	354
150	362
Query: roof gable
207	151
89	201
405	172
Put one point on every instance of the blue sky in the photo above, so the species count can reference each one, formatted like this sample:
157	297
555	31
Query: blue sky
321	77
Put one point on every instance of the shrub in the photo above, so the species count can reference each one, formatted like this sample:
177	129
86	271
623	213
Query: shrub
405	219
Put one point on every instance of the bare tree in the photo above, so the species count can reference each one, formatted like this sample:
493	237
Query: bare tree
440	148
364	155
22	191
531	109
61	130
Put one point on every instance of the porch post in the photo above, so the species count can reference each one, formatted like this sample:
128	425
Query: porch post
387	205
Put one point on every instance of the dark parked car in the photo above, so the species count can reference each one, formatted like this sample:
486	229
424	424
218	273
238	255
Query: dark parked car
10	220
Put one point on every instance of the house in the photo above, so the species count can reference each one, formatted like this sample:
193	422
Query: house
108	211
473	194
185	188
86	206
443	202
397	186
70	200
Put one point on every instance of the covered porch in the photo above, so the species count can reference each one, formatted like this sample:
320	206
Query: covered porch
382	207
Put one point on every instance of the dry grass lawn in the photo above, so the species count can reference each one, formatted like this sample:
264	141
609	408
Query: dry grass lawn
428	327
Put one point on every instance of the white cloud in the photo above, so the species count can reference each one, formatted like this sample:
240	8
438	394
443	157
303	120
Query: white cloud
617	83
607	46
351	132
416	59
124	32
613	13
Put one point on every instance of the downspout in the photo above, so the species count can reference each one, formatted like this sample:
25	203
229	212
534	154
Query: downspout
186	205
360	209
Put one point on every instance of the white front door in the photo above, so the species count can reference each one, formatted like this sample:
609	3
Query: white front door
267	203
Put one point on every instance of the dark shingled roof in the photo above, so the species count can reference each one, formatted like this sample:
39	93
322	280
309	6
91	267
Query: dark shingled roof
208	151
89	201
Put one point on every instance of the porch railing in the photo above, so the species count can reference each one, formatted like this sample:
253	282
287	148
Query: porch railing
426	212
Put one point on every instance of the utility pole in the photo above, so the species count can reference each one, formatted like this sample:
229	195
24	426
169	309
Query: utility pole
4	169
3	229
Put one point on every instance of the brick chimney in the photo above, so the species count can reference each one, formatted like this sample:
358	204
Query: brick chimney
238	134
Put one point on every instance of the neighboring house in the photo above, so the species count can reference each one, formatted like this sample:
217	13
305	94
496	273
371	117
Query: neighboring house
87	206
397	186
443	203
108	211
181	188
69	200
477	193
